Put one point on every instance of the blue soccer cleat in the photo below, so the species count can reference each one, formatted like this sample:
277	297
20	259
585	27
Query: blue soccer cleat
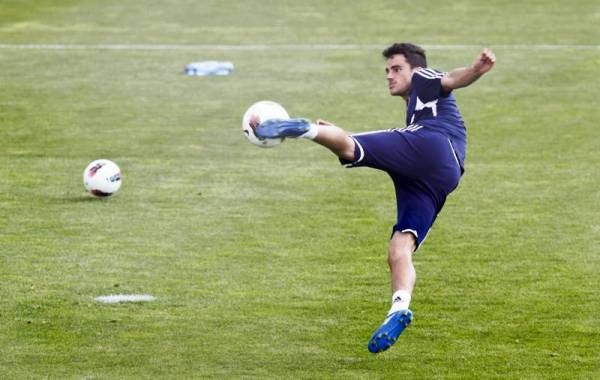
281	128
387	334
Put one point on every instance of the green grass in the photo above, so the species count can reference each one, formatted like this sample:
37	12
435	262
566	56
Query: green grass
271	263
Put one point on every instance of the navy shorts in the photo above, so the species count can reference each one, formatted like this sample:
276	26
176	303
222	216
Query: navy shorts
423	165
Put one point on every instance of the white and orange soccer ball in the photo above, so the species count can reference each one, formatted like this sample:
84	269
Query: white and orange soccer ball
263	110
102	178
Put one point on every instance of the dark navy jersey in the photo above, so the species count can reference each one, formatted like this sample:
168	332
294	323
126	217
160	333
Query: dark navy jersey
430	106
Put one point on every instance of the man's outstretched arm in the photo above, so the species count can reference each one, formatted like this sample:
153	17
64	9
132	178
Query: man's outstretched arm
464	76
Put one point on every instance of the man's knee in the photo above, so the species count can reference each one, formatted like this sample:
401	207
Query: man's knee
347	153
337	140
402	246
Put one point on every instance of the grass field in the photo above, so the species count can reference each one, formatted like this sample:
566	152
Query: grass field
271	263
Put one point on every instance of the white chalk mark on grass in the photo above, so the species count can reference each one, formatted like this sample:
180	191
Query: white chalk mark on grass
119	298
278	47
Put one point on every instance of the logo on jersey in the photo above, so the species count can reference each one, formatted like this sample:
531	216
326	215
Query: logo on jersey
420	106
432	104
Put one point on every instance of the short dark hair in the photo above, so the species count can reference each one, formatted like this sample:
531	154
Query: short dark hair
415	55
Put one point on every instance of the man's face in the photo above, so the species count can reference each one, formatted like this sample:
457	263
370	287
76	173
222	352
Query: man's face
399	74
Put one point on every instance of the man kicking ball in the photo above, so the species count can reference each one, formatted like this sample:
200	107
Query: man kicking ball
425	160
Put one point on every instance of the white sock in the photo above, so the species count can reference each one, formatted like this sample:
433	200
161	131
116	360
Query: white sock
312	132
400	301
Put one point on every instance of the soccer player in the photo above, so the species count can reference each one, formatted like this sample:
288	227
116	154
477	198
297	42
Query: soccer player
425	160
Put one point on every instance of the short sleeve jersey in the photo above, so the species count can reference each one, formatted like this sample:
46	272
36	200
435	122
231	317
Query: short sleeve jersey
429	105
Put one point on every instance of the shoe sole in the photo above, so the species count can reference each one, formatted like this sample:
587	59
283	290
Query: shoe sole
384	340
281	128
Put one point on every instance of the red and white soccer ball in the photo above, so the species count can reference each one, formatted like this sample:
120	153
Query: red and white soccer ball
102	178
263	110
